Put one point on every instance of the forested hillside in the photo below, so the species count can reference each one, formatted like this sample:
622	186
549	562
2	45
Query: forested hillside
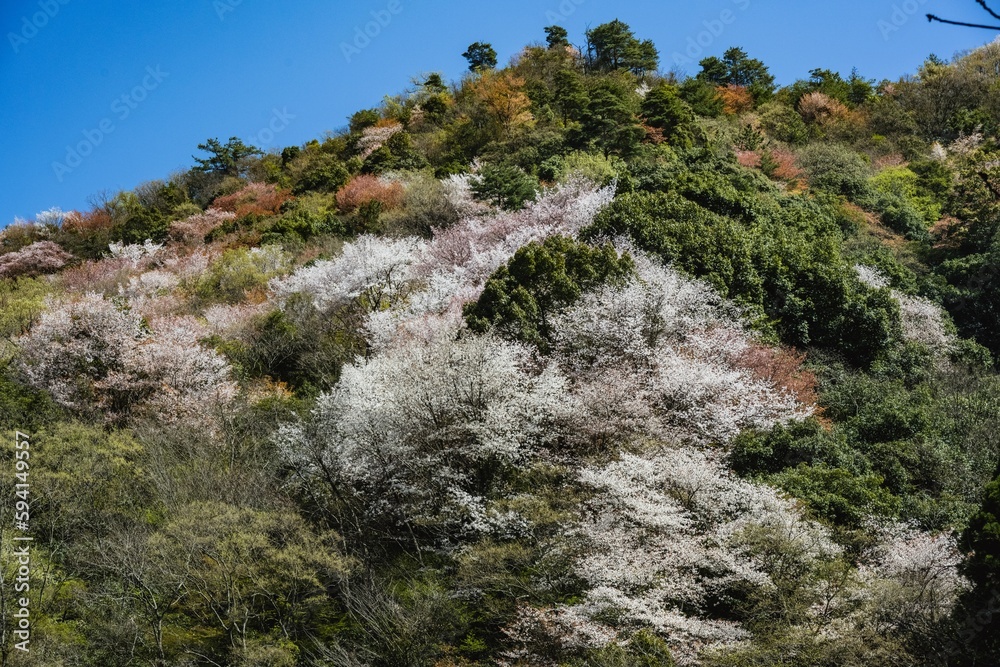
569	362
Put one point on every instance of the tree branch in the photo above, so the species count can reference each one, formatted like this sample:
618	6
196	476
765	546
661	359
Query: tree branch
932	17
982	3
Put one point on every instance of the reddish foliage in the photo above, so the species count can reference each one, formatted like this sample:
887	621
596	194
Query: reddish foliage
86	224
194	228
782	367
654	134
749	159
366	188
256	198
786	168
735	99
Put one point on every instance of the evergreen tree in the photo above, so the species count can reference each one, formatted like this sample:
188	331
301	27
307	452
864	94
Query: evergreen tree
481	56
612	46
556	37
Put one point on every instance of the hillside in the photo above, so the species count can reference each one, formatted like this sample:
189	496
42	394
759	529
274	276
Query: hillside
568	362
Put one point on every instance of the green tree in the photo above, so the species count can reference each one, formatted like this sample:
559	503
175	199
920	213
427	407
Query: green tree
481	56
664	109
505	186
228	159
837	496
608	123
737	68
613	46
556	37
797	278
979	608
702	96
521	296
570	94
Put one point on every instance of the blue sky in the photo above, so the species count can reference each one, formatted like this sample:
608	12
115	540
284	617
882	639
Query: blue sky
140	84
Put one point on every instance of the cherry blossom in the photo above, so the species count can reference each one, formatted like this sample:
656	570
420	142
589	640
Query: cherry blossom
36	259
135	253
374	137
96	354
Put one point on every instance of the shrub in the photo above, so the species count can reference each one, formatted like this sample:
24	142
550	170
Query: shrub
837	169
592	166
520	298
907	185
819	108
748	159
261	199
783	123
195	228
239	272
87	233
426	207
366	188
21	234
317	171
785	166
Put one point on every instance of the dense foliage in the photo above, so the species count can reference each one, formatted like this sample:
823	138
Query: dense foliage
564	363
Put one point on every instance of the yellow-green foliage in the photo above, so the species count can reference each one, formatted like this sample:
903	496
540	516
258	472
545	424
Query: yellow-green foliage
85	480
21	302
595	166
239	272
902	182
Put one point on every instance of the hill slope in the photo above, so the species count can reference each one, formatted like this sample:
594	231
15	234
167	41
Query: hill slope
564	363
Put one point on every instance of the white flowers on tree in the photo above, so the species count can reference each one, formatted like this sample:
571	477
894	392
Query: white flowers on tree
912	576
430	424
374	137
668	346
95	354
371	267
135	253
438	276
651	380
923	321
667	533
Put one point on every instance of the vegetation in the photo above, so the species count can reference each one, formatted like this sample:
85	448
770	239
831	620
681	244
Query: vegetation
567	362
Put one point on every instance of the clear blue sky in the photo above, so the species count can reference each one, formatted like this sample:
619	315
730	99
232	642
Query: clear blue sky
194	69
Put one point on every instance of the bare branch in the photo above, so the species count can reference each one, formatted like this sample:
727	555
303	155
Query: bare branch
982	3
932	18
